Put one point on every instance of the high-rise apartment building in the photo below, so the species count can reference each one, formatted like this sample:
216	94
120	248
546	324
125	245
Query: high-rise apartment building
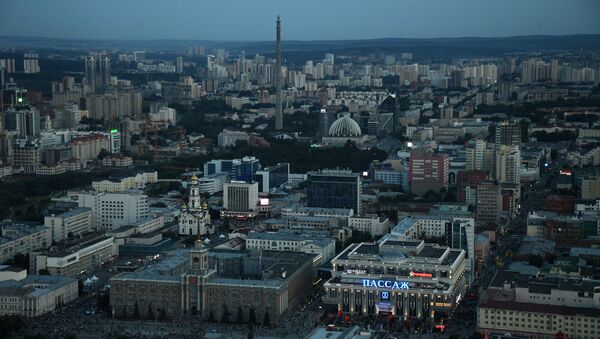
508	133
335	189
428	172
489	202
508	164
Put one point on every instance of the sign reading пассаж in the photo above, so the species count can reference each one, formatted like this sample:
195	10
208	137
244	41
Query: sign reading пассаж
394	285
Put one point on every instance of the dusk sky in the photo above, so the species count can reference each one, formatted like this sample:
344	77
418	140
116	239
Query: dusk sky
302	20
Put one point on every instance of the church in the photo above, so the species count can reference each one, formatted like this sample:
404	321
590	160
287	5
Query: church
195	219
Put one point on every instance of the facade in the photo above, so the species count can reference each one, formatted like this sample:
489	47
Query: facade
508	134
335	189
87	254
125	181
25	121
372	225
28	157
114	209
508	164
88	147
540	307
69	224
590	187
36	295
428	172
194	219
273	177
405	278
212	183
240	198
216	285
489	202
22	239
117	161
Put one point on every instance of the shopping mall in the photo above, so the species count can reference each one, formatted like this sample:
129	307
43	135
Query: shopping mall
408	279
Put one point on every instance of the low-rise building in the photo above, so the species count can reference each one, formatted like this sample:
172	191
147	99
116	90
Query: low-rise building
123	181
36	295
72	258
320	244
216	285
372	225
22	239
117	161
69	224
540	307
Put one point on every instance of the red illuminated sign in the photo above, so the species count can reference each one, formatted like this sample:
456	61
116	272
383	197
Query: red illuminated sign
421	274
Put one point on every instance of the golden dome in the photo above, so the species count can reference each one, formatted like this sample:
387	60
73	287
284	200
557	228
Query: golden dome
194	178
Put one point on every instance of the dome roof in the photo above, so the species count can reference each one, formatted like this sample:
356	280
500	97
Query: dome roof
345	127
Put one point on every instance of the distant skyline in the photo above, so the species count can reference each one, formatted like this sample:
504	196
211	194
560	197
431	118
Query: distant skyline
243	20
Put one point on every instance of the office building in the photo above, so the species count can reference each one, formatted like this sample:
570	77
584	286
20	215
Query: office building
508	164
36	295
70	224
24	120
216	285
540	307
213	183
590	187
22	239
334	189
244	169
405	278
489	202
87	254
114	209
240	199
428	172
195	218
508	134
272	177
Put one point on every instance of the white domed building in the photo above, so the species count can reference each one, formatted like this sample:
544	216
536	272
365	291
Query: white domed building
343	129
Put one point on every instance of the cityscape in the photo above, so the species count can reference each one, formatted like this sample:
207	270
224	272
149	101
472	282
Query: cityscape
358	183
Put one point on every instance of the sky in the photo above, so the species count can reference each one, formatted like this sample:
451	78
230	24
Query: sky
247	20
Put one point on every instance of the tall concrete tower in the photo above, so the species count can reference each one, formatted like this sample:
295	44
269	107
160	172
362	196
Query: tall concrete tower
278	94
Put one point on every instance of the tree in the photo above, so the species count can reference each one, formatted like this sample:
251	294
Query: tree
44	271
252	316
266	319
124	313
476	335
211	316
103	154
225	316
136	311
240	315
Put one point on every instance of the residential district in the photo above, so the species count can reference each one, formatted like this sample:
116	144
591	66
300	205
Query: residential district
210	193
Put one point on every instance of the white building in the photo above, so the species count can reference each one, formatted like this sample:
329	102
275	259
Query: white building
323	246
36	295
195	218
229	138
114	209
69	224
126	181
372	225
213	183
508	164
22	239
240	197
